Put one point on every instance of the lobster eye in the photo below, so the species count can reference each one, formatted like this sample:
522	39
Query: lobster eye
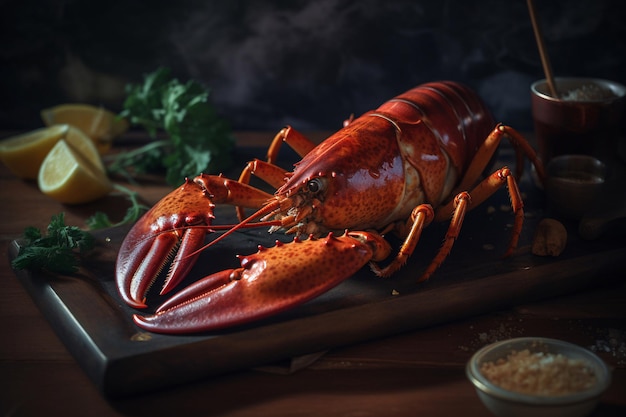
314	186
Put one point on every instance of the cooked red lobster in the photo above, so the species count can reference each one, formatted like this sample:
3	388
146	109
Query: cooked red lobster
418	158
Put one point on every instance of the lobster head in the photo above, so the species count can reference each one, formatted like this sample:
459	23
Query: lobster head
332	187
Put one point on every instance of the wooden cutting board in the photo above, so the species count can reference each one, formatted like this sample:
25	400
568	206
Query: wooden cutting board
121	359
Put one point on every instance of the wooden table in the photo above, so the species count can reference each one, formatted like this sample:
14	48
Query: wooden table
416	373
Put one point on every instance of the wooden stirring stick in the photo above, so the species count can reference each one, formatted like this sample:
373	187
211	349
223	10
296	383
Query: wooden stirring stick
545	61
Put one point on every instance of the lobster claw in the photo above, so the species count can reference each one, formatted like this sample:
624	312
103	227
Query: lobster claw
174	230
268	282
153	241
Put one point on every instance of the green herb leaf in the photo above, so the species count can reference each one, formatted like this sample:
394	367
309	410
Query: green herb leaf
57	251
198	140
100	220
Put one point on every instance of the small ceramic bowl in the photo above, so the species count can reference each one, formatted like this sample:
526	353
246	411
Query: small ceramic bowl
509	403
574	184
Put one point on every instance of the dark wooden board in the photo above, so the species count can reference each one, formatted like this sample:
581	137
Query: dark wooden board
89	317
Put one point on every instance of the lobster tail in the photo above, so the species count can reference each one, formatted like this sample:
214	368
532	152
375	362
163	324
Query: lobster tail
453	113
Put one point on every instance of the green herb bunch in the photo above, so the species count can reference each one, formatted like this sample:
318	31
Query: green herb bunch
198	140
56	251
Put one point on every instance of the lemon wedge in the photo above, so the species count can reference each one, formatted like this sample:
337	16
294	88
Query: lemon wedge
70	178
24	153
83	144
98	123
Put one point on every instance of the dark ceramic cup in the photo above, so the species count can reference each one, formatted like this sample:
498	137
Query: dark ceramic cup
586	119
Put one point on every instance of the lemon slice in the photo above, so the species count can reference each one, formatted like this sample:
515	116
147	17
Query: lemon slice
98	123
23	154
67	176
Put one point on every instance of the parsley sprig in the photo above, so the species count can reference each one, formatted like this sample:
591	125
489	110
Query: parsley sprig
100	220
198	140
56	251
60	249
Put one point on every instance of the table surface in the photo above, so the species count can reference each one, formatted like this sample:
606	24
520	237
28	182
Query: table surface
415	372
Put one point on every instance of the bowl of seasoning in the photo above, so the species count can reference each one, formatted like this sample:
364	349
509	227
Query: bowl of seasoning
534	376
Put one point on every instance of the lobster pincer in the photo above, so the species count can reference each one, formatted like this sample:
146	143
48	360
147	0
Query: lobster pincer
172	232
269	281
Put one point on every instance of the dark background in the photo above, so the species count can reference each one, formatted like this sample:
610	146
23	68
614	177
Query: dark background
306	63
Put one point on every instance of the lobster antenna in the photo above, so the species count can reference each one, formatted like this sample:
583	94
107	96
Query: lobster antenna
245	223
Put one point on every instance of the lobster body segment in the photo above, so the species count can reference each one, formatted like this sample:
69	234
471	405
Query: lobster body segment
418	158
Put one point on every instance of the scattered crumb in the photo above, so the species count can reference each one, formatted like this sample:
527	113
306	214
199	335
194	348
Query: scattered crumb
141	337
489	246
395	292
505	330
491	209
611	341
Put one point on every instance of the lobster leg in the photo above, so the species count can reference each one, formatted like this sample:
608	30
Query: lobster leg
461	202
465	201
268	171
271	174
522	147
489	186
268	282
422	216
296	140
488	149
492	183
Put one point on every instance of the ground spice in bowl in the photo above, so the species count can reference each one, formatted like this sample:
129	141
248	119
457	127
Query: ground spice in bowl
539	373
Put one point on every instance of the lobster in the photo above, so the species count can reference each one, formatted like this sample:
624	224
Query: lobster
418	158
